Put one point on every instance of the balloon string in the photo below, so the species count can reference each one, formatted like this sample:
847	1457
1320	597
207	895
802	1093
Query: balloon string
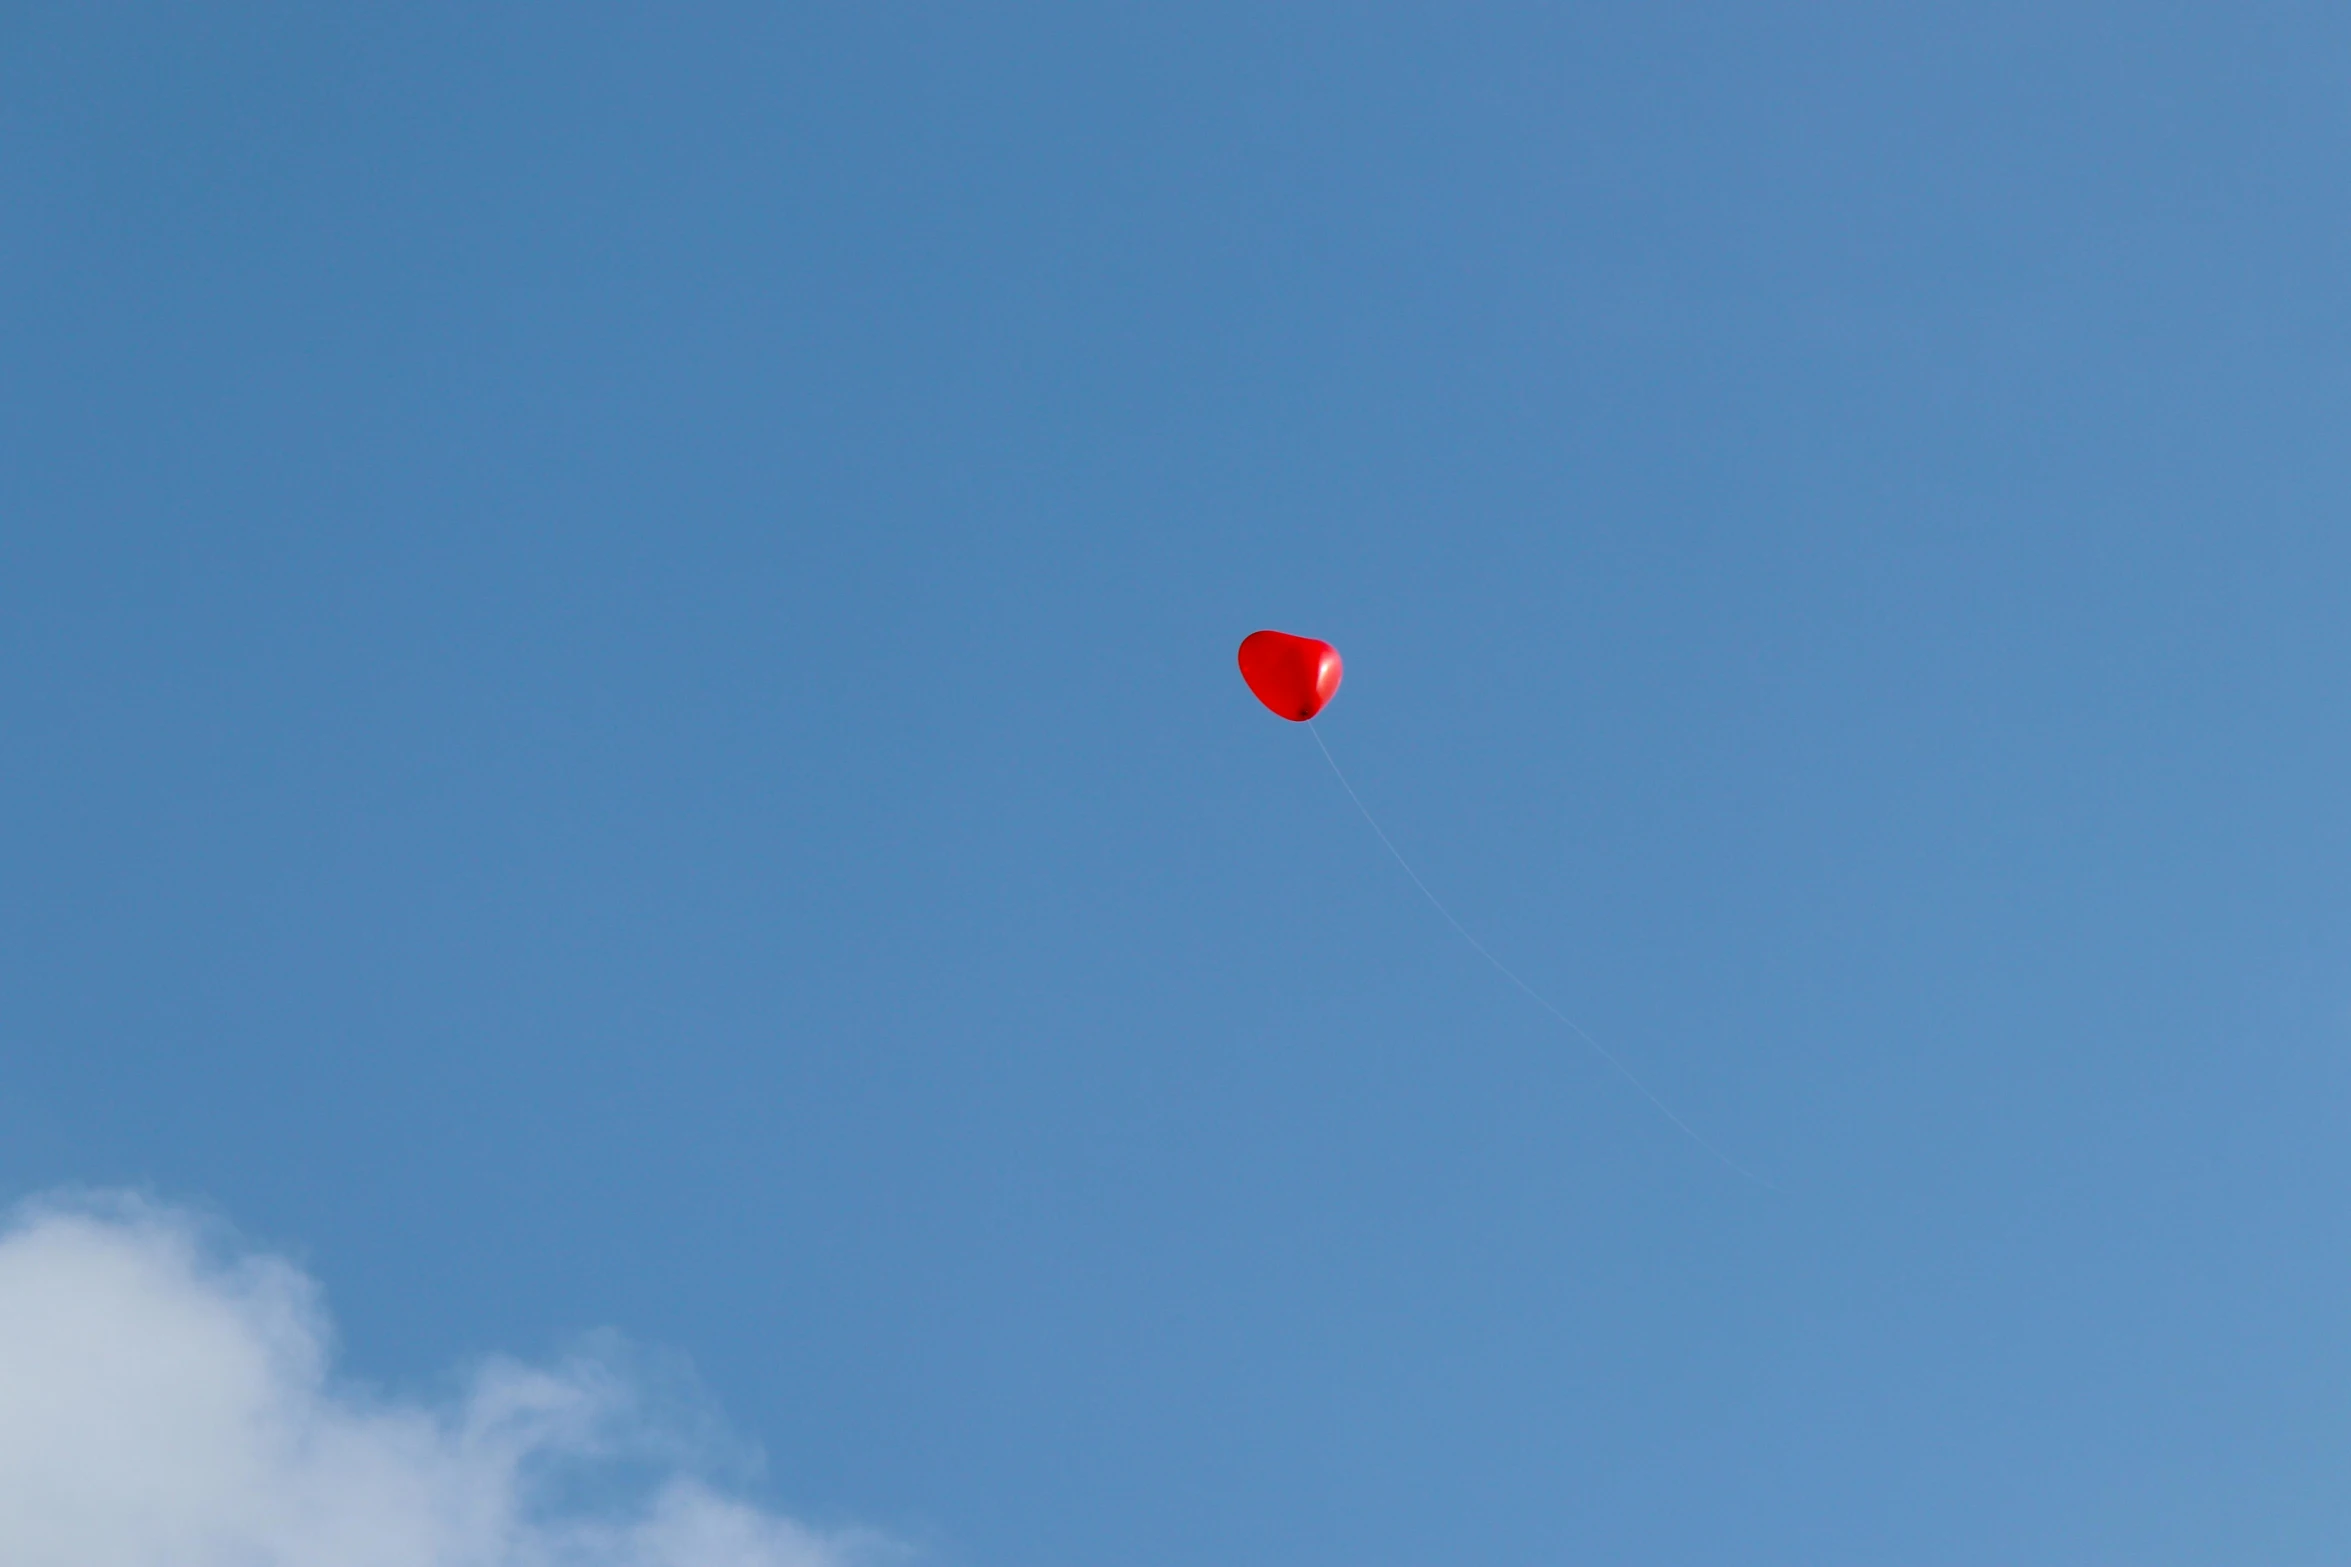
1532	994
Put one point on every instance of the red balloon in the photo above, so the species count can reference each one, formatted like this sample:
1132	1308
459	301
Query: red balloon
1294	676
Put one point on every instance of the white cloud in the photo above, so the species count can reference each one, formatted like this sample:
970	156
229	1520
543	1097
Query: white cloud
167	1401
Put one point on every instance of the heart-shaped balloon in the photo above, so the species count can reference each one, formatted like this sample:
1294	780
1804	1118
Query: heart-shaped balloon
1293	676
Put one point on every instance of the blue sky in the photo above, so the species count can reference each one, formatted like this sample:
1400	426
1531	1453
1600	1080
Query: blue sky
616	643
